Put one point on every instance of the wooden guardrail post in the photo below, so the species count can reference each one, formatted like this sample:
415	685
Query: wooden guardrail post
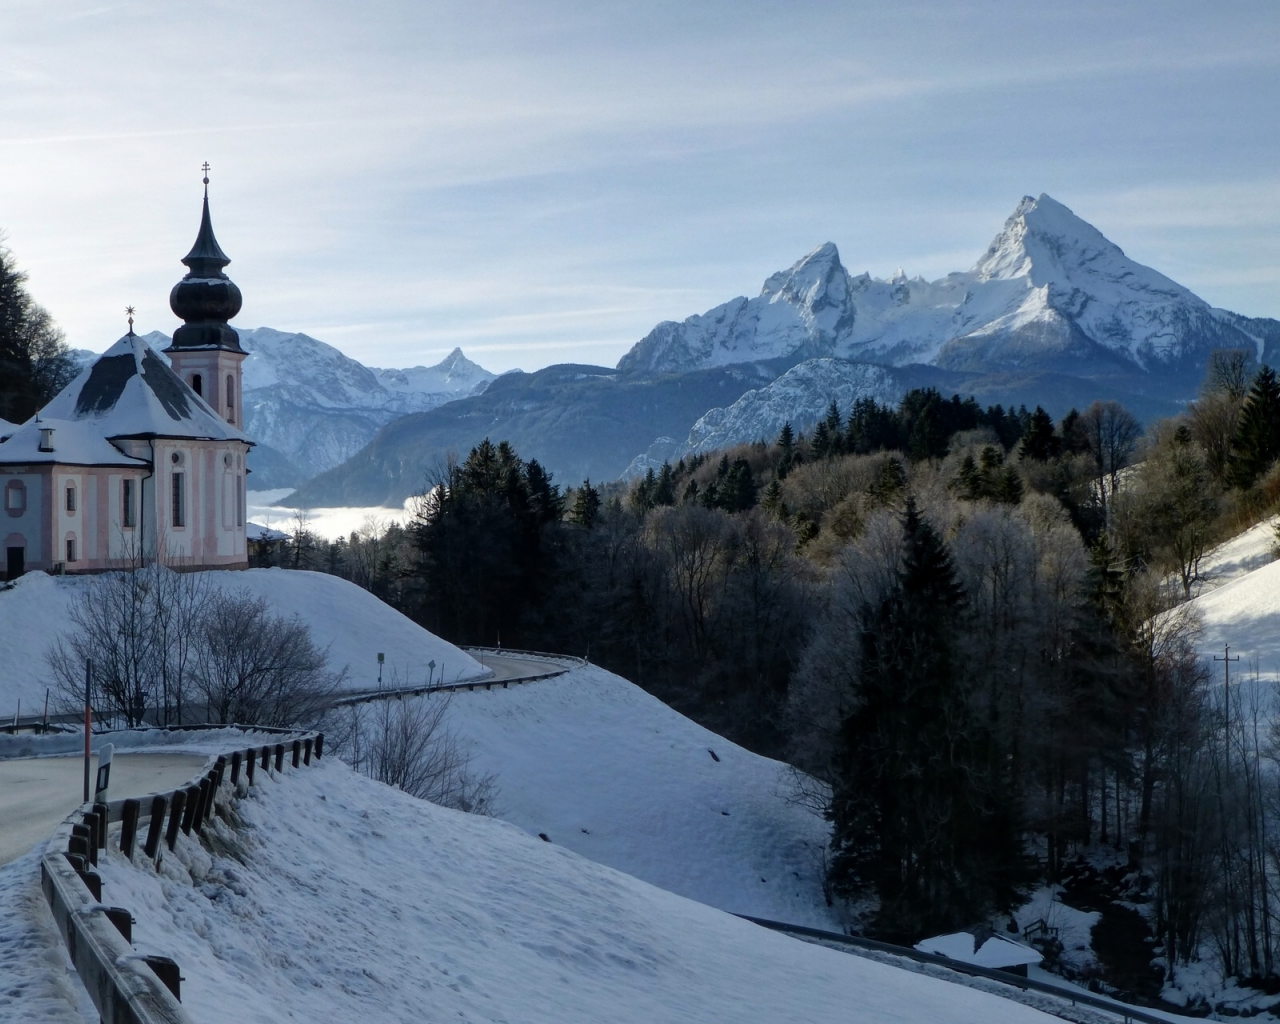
202	803
104	816
129	826
279	757
250	761
235	768
297	752
319	744
176	814
306	750
155	827
266	758
189	811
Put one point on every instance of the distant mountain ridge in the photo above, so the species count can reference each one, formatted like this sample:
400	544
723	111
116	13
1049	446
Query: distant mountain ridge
1051	293
308	407
1053	313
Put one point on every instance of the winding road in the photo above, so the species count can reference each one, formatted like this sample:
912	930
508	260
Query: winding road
37	793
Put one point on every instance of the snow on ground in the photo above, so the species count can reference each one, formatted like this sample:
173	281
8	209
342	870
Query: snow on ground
603	768
341	899
1244	613
354	624
330	523
1241	554
38	985
1074	927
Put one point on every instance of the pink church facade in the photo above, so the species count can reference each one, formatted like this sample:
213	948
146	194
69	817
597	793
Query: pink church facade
138	460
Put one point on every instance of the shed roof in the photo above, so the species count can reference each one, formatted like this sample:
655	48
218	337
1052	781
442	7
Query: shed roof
996	952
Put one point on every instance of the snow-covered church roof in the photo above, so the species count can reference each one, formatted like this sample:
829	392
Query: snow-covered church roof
131	392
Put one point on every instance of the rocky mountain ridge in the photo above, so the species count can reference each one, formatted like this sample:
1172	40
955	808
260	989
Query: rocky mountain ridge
1051	293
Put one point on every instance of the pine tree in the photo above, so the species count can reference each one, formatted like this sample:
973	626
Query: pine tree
787	442
664	493
912	805
35	363
586	505
1040	442
1257	441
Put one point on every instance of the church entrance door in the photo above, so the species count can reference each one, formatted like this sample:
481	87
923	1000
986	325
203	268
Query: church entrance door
17	562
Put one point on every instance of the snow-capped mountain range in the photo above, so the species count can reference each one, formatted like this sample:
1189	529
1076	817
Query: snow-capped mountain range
308	407
1051	293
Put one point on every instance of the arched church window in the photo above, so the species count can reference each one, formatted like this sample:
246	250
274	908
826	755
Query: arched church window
231	393
197	384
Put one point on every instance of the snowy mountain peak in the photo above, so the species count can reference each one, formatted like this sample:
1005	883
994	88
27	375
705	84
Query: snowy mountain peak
1051	293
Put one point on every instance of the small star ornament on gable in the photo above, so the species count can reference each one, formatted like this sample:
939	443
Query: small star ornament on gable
128	310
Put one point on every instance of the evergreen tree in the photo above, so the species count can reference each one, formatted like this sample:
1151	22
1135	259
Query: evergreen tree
642	494
664	493
787	442
35	363
586	505
912	801
1040	442
1257	441
820	446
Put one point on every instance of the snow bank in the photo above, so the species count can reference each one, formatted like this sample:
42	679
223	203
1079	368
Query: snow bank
598	765
1242	554
341	899
38	985
1244	613
352	622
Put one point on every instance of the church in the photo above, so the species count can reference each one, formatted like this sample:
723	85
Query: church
137	460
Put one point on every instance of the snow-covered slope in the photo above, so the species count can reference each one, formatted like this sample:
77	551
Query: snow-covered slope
1050	293
341	899
598	765
351	622
1244	613
800	397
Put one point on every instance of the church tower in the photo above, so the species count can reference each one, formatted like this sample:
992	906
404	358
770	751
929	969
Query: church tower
206	351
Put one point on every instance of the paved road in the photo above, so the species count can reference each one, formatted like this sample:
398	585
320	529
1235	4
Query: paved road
36	793
509	666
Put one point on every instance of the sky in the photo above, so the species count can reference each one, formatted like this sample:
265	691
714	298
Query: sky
544	181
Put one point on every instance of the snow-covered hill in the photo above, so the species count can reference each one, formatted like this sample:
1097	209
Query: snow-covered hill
603	768
352	623
1051	293
366	904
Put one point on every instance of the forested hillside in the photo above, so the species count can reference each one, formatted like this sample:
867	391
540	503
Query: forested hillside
968	621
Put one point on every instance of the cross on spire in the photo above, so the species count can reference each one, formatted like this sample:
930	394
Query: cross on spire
129	313
205	167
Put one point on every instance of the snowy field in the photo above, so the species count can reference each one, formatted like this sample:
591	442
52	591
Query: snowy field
351	622
1244	613
1242	554
346	900
601	767
330	523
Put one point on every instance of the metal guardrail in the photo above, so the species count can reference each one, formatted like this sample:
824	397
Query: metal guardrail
399	692
126	988
1129	1013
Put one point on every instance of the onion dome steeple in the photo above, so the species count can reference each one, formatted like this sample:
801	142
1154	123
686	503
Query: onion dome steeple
206	298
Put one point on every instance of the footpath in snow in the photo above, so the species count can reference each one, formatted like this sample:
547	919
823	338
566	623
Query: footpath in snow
599	766
341	899
352	623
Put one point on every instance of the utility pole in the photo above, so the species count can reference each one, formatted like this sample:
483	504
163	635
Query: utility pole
88	713
1226	660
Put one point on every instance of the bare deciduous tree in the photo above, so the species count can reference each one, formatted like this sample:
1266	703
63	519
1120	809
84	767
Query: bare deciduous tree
408	744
